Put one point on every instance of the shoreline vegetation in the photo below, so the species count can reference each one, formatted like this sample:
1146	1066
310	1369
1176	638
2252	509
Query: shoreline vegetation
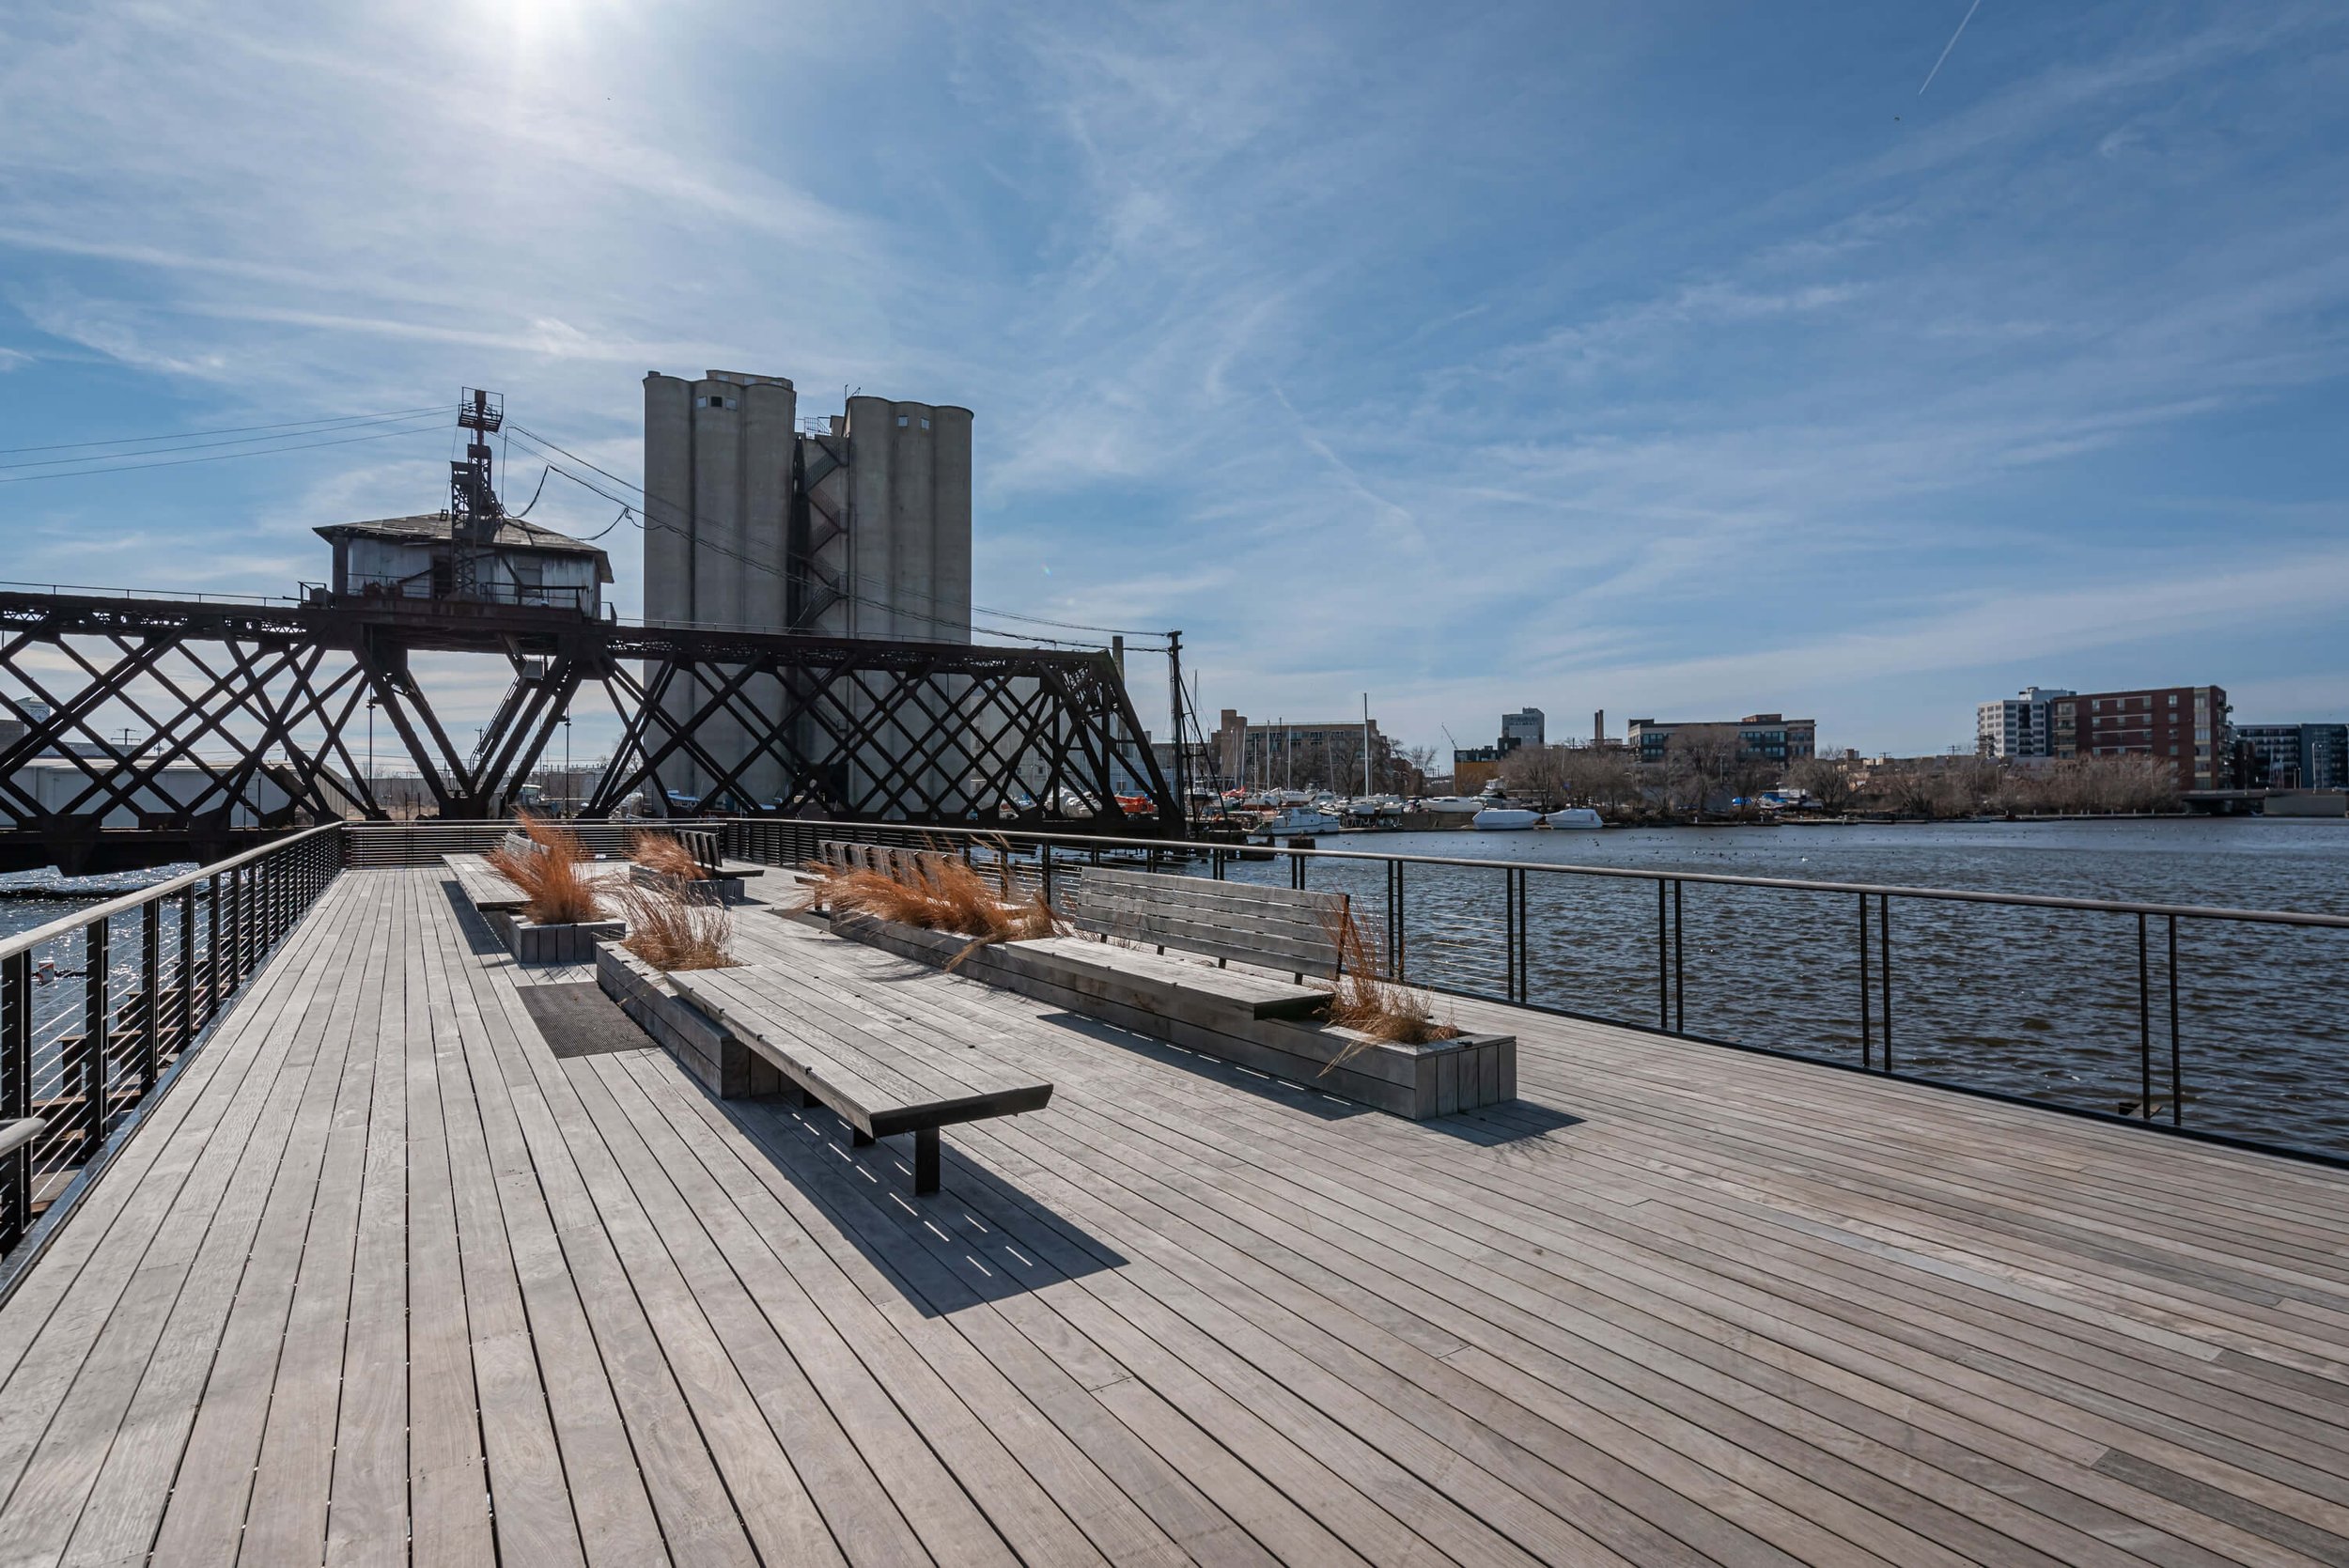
1708	782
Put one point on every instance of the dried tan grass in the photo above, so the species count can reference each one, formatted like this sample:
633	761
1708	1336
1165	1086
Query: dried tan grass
666	854
1386	1010
670	931
559	892
938	894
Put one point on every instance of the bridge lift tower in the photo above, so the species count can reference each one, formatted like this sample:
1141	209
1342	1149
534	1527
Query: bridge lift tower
474	509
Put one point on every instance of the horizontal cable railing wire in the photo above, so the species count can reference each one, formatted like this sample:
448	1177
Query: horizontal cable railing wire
98	1008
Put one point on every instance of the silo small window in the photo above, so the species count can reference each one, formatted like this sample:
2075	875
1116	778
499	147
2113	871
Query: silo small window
926	423
901	422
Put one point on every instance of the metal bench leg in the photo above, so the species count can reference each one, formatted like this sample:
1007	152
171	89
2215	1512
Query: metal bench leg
925	1161
858	1140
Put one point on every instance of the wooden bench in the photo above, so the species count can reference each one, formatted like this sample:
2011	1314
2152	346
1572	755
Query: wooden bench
703	844
880	1082
1273	928
483	886
840	855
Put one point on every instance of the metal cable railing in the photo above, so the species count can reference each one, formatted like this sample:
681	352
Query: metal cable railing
2205	1021
96	1008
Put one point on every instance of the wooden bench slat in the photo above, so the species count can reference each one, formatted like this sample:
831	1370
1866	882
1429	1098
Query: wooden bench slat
1259	996
880	1080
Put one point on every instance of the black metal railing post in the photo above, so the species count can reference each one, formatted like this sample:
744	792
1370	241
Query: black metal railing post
2177	1088
1394	920
226	973
2144	1028
150	1007
211	952
1883	970
1680	962
1663	962
16	1088
97	957
1867	1042
187	969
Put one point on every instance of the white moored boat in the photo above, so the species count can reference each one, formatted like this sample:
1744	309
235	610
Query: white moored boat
1299	820
1504	819
1575	817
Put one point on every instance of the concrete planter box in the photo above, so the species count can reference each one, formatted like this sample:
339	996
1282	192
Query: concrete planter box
552	944
719	1062
709	889
1413	1082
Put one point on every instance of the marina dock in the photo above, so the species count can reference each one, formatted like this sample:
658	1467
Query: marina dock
395	1271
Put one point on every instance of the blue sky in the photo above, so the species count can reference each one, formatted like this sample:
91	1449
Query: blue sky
1674	359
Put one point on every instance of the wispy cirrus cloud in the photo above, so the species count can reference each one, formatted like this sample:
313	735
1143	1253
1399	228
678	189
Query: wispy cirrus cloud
1557	357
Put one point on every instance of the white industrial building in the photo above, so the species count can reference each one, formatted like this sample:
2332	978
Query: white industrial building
2018	727
858	526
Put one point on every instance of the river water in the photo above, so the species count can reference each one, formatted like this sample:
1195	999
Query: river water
2042	1002
31	900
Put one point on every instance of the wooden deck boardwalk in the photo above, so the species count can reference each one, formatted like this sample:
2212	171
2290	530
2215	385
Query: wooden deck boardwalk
385	1277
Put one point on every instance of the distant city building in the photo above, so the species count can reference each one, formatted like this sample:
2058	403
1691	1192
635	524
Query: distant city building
1525	727
2185	726
1475	767
2016	726
1284	756
2300	756
1764	737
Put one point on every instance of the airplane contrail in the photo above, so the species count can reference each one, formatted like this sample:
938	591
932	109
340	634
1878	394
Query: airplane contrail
1947	47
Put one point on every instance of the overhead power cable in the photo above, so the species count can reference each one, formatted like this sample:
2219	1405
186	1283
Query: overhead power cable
217	458
256	442
230	430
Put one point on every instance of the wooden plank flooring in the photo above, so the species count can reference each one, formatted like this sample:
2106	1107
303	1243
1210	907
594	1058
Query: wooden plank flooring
382	1279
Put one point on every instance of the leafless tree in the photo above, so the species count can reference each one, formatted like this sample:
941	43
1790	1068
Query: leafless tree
1697	766
1826	780
1540	773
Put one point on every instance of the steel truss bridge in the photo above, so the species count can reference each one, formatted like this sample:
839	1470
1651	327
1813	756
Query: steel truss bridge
150	730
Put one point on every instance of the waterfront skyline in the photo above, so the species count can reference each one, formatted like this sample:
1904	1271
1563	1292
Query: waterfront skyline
1650	363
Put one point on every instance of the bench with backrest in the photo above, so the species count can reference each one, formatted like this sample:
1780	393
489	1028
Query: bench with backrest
881	1079
1273	928
839	855
703	844
1279	930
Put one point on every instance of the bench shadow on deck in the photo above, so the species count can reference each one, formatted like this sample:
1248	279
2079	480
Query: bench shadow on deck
382	1276
809	1146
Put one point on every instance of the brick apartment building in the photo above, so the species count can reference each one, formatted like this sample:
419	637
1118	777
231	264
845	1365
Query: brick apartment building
1766	736
2185	726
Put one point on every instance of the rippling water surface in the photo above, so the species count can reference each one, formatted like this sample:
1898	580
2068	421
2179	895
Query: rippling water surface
2044	1002
32	900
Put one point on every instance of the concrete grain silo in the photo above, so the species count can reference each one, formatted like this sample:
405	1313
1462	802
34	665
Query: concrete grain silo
860	529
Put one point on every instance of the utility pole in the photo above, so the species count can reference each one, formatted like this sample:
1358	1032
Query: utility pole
1175	713
1366	743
